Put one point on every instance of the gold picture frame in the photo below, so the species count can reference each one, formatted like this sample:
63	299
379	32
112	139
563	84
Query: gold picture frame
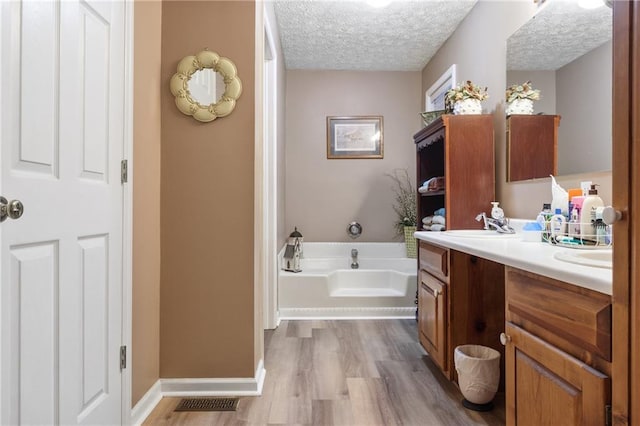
355	137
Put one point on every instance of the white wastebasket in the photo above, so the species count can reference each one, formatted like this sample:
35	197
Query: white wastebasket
478	370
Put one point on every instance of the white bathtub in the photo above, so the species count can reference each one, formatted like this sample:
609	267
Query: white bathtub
384	286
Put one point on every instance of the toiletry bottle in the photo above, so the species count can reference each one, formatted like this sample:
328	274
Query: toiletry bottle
558	224
544	218
496	212
574	223
588	214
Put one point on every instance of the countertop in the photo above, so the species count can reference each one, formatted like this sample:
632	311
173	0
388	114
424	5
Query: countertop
535	257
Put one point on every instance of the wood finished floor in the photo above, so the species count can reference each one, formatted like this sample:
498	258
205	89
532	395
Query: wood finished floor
364	372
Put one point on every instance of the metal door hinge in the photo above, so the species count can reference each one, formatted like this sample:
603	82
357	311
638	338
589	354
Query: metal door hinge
123	357
607	415
124	171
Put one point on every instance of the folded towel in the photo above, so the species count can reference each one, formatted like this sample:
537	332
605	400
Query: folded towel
439	212
433	184
427	220
437	227
438	219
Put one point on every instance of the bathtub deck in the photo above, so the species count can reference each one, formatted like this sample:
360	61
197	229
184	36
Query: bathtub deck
344	373
365	292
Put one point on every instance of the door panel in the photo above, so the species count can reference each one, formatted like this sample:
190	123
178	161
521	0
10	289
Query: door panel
548	386
62	133
95	321
34	292
537	383
432	317
37	145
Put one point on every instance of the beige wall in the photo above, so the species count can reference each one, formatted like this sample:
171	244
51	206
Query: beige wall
584	101
207	206
323	196
478	47
146	198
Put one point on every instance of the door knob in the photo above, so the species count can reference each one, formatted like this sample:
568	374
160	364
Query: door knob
611	215
436	292
12	209
504	339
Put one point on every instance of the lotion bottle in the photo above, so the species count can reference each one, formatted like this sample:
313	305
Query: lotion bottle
574	223
588	214
558	224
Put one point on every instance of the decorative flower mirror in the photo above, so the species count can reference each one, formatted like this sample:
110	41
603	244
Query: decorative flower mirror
206	86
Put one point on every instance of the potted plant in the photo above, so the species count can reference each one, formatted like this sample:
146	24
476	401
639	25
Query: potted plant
520	98
465	98
405	209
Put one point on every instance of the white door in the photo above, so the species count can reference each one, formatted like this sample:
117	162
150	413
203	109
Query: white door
61	116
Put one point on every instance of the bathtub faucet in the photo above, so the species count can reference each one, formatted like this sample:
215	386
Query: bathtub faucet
354	259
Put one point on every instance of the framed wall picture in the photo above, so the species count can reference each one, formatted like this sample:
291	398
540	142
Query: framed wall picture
354	137
434	96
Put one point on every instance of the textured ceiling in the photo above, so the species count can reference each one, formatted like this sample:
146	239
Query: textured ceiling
351	35
559	33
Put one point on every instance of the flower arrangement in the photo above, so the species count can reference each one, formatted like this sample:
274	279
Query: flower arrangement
405	200
522	91
464	91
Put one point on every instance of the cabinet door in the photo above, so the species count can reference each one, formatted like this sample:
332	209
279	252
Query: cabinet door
432	325
546	386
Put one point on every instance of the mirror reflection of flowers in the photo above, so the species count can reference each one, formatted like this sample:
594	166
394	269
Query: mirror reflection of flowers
464	91
405	200
522	91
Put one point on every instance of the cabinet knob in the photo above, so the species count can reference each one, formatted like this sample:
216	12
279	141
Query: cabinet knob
611	215
504	339
436	292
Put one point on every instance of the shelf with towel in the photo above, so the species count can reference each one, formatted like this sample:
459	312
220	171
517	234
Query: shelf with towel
455	158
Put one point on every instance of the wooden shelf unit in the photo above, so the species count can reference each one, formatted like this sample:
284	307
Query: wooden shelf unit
460	148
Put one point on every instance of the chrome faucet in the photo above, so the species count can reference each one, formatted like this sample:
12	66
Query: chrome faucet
499	225
354	259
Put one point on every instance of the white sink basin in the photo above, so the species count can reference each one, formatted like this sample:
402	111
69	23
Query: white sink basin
477	233
597	258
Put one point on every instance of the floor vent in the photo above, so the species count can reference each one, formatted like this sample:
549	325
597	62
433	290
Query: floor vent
208	404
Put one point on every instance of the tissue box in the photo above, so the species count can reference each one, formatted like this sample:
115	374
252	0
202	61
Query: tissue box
532	232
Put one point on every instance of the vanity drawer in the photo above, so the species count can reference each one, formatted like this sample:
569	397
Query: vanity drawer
573	318
435	260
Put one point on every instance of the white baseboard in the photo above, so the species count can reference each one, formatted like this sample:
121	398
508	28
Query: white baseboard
147	403
348	313
250	386
215	387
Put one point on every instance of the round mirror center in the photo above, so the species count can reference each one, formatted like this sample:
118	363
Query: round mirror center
206	86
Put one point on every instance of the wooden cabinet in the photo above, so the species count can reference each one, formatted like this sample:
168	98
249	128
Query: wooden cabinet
432	304
460	301
433	301
558	352
532	146
460	149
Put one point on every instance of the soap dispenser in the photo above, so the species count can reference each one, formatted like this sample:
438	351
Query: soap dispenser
588	214
496	212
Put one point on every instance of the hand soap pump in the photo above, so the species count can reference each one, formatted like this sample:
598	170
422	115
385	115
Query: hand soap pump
588	214
496	212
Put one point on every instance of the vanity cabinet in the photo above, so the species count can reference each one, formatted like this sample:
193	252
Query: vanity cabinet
459	149
460	301
433	302
558	352
532	146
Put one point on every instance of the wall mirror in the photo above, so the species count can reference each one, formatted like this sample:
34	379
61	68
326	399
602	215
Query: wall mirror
206	86
566	52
